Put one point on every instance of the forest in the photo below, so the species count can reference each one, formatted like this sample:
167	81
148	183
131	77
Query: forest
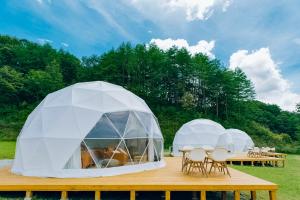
176	85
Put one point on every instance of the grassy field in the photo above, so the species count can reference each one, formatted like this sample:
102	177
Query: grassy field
7	149
287	178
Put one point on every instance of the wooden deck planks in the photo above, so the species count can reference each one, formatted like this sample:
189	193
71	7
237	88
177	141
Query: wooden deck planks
169	178
263	160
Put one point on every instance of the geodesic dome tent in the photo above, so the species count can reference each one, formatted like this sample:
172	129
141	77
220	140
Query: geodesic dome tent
89	129
242	142
200	133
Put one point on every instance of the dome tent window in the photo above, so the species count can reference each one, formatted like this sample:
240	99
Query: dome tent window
89	129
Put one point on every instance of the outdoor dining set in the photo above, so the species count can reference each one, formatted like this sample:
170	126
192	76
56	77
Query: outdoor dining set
205	159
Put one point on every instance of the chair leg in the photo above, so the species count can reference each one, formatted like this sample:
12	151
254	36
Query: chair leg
212	164
227	169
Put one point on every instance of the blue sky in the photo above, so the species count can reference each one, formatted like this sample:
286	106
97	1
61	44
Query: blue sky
261	37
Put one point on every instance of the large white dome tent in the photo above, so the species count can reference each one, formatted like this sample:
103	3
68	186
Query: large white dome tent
89	129
242	142
200	133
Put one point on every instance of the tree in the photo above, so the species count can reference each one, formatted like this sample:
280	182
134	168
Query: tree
298	107
188	101
11	85
40	83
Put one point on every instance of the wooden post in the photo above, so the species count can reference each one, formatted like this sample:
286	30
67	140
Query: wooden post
242	163
28	195
168	195
272	195
132	195
223	195
237	195
253	195
263	163
64	195
252	163
230	162
202	195
97	195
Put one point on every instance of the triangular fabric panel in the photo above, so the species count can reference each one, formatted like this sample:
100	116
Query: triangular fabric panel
34	129
103	129
111	104
86	119
64	147
36	154
134	128
60	122
64	98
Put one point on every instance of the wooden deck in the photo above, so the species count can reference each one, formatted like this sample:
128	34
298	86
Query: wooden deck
166	179
263	160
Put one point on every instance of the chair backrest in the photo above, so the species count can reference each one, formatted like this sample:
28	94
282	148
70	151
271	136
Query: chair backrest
256	149
220	154
197	154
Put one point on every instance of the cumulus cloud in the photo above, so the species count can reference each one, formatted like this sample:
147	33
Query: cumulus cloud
270	85
192	9
202	46
44	41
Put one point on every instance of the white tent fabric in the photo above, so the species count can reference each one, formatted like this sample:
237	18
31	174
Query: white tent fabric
89	129
242	142
200	133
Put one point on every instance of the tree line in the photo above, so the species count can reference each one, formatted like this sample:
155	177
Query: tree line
174	83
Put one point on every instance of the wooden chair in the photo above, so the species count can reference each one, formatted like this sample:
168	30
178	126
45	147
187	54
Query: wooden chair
219	160
195	160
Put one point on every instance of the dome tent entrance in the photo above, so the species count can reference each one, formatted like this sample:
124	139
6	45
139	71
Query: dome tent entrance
89	129
242	142
199	133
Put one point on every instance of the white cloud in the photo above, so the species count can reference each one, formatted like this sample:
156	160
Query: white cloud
192	9
44	41
201	47
265	74
64	44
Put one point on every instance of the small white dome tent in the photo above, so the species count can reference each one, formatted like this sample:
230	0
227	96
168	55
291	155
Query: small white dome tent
242	142
199	133
86	130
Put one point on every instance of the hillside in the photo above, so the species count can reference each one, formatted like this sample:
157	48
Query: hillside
178	87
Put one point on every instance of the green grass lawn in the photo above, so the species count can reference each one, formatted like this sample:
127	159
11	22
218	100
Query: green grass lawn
287	178
7	149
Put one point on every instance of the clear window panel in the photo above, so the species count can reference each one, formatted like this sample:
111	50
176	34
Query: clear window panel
119	120
145	119
137	149
103	129
102	150
134	128
121	157
86	159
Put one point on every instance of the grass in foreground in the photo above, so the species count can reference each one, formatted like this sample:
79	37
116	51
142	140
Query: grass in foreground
7	149
287	178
